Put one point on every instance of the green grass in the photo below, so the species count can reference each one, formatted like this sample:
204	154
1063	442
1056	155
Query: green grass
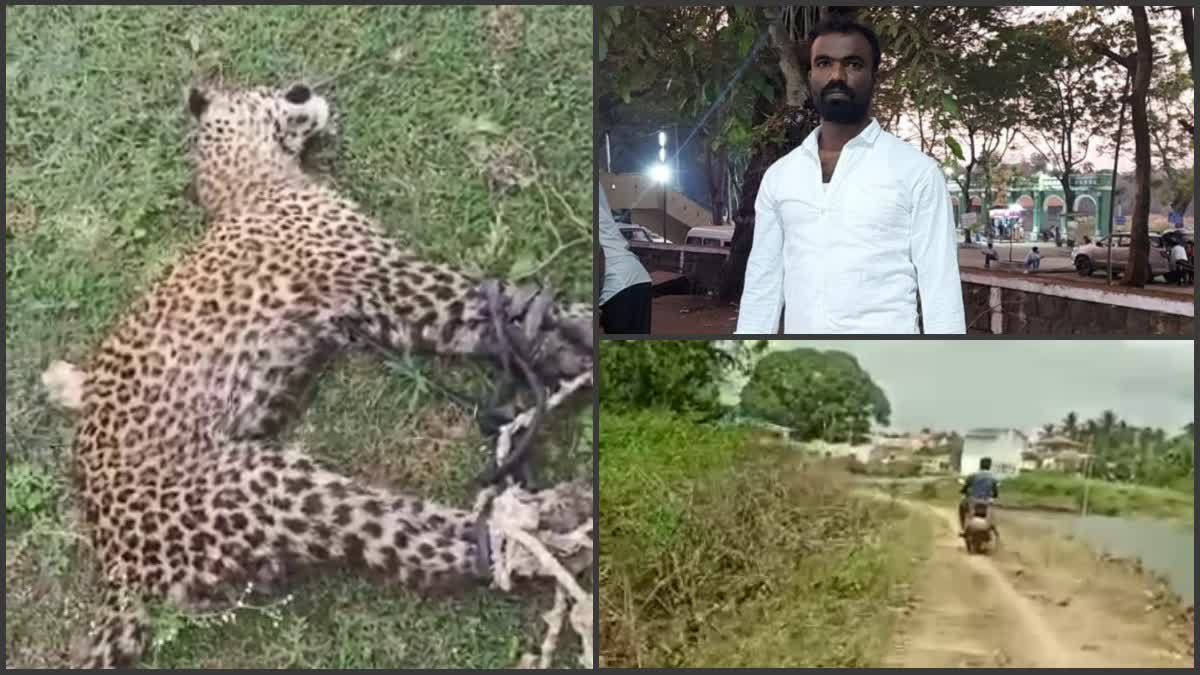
1066	492
1062	492
719	552
433	107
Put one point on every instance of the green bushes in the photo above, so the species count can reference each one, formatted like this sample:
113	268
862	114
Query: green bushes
717	551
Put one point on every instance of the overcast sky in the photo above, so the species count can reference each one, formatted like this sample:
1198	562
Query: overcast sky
1025	383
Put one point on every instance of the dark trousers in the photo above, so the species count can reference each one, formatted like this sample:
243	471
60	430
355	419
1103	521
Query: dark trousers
628	312
1183	272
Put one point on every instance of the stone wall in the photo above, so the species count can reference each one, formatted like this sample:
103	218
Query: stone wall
1008	305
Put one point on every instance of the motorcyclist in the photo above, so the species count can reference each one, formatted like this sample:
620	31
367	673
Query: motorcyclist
981	485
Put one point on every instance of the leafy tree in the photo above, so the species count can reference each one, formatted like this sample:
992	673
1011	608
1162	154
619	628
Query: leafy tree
1065	109
665	64
1138	62
678	375
824	395
1070	425
1146	455
986	81
1169	116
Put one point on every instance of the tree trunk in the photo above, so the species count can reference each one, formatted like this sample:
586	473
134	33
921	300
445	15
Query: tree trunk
722	205
1139	250
965	184
715	170
1187	21
797	117
798	122
1068	203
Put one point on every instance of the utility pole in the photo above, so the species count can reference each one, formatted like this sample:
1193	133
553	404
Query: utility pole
1087	473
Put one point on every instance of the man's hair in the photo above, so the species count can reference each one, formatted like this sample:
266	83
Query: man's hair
985	463
843	24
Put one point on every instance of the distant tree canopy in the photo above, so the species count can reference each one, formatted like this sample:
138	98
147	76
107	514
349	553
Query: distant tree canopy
682	376
824	395
1127	452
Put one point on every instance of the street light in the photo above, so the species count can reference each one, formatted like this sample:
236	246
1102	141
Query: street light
661	173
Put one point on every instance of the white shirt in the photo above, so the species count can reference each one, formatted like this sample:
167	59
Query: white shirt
622	268
1178	252
852	256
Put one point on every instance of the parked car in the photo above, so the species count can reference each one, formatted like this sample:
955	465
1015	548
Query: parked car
1094	255
714	237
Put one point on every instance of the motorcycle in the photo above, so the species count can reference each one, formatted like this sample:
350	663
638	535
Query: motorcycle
979	528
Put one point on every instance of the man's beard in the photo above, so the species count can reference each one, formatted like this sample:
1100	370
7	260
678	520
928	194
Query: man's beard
845	110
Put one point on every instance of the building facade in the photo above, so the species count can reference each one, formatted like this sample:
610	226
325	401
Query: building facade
1004	446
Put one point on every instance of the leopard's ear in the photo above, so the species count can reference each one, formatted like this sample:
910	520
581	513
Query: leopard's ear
197	102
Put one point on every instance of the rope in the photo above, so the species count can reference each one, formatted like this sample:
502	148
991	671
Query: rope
534	534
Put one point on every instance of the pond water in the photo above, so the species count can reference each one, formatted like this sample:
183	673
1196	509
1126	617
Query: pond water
1166	547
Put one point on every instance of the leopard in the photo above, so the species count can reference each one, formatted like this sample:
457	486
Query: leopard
187	485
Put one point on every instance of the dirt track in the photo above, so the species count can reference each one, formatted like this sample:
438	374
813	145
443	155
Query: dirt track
1036	602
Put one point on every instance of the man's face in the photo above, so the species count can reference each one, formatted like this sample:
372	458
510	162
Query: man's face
841	79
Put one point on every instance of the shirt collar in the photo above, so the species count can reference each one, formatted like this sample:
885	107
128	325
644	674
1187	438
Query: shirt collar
866	137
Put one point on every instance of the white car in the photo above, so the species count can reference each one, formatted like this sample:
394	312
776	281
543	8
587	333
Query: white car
710	236
1094	256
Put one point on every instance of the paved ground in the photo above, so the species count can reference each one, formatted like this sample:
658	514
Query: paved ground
692	315
1056	261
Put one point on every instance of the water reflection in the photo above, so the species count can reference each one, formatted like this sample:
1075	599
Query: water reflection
1165	547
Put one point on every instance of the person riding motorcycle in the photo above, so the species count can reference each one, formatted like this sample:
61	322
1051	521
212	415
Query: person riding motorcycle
981	485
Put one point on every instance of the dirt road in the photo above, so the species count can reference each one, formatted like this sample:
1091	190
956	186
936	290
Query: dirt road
1038	601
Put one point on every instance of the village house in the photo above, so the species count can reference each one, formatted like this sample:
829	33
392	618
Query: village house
1006	448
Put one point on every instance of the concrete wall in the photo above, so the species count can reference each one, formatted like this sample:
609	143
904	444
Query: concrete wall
1014	305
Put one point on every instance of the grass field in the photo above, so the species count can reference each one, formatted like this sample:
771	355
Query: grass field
717	551
1061	492
466	131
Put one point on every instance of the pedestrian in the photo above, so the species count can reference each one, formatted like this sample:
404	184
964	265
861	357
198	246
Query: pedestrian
851	250
1033	261
990	254
1180	263
626	292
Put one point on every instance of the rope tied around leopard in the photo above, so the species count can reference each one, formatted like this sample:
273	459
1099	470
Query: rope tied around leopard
536	534
518	347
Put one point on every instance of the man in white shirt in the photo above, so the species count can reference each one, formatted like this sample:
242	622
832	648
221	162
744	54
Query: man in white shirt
625	298
854	224
1179	263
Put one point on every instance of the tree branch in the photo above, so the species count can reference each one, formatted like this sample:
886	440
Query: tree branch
1123	61
1186	20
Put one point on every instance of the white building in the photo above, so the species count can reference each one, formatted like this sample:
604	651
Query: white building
1004	446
